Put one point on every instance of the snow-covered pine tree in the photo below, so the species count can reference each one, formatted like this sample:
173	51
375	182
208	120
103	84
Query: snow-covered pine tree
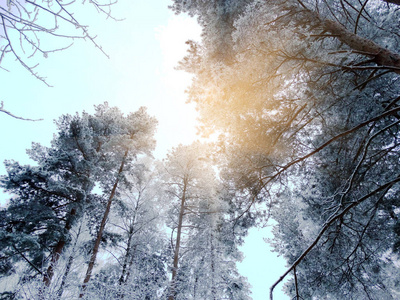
135	268
88	151
307	109
205	250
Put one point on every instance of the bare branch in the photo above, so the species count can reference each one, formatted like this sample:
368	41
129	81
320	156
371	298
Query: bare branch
25	18
14	116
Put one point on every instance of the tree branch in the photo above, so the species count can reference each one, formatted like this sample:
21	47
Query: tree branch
335	216
14	116
397	2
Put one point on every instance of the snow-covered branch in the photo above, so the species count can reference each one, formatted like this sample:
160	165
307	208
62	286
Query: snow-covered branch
14	116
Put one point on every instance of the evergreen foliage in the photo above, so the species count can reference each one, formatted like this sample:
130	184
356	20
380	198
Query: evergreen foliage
305	103
97	185
303	97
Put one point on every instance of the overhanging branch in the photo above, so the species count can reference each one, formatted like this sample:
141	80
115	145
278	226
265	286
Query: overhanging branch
335	216
14	116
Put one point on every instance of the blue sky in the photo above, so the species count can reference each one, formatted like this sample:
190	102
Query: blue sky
143	49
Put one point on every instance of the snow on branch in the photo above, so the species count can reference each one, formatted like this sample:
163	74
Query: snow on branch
333	218
14	116
25	27
397	2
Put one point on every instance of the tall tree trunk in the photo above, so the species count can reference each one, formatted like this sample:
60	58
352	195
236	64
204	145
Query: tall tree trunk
69	265
380	55
101	229
124	278
129	268
127	257
196	280
172	291
57	251
212	249
60	290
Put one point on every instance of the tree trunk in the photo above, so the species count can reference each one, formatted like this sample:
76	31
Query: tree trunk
172	291
65	276
101	229
397	2
127	256
212	249
57	251
69	265
380	55
128	259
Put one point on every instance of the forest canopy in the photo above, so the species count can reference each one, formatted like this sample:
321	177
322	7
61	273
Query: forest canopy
304	96
302	101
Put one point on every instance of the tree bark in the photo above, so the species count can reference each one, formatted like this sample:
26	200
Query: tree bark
69	265
129	268
172	292
101	229
127	256
57	251
212	252
65	276
397	2
381	56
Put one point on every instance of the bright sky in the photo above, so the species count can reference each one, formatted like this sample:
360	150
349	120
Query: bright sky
143	49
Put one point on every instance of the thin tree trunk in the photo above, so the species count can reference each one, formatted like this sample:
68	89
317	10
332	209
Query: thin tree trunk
127	256
196	280
101	229
124	277
213	288
172	292
69	265
65	276
57	251
127	261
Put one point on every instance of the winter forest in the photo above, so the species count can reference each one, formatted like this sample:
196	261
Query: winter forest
299	129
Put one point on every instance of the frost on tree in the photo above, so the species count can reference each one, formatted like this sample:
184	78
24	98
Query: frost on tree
203	265
307	112
30	29
136	269
49	198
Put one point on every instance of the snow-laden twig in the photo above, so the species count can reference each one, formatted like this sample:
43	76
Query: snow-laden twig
14	116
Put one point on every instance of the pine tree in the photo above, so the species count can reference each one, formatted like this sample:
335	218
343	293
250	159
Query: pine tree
205	254
136	267
50	197
187	180
307	112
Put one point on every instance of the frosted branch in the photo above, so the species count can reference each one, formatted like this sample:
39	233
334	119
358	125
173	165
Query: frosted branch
14	116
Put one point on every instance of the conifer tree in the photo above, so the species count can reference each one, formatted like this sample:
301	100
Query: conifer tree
307	111
204	255
49	198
